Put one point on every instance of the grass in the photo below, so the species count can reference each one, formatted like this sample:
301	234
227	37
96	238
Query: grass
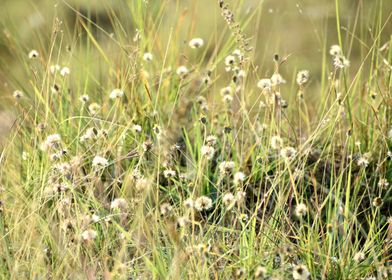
238	166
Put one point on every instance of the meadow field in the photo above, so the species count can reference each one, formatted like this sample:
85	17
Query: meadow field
196	139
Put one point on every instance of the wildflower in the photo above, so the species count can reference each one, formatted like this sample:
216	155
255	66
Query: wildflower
363	161
377	202
211	140
157	129
226	167
142	184
276	142
165	208
265	84
284	104
229	60
169	173
33	54
148	57
51	141
226	91
241	74
95	218
89	134
359	257
335	50
116	93
89	235
383	183
340	62
119	204
206	80
277	79
227	99
25	155
239	177
182	71
203	203
93	108
288	152
54	68
260	272
300	272
182	221
189	203
137	128
207	151
228	200
243	217
238	53
240	272
55	89
65	71
63	168
196	43
18	94
240	196
84	98
303	77
300	210
99	161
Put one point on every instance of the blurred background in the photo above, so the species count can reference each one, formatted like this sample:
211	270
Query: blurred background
301	29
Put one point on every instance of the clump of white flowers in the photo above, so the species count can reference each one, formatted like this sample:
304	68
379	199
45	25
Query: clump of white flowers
165	209
182	71
137	128
265	84
65	71
229	61
226	167
211	140
288	152
202	203
99	161
300	272
196	43
364	160
359	257
33	54
301	210
239	177
84	98
116	93
207	151
339	60
228	200
276	142
94	108
51	141
148	56
90	133
277	79
18	94
189	203
302	77
168	173
89	235
119	204
54	68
